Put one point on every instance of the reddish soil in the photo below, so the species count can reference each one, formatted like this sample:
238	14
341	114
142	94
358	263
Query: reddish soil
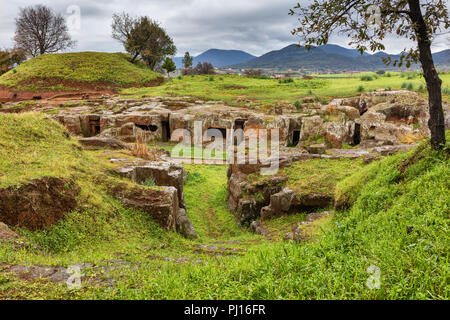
81	90
235	87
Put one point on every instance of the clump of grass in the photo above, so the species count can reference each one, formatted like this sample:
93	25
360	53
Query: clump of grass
150	182
361	89
286	80
366	78
446	91
298	105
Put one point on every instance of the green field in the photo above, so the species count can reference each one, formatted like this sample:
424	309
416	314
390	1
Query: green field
242	91
64	71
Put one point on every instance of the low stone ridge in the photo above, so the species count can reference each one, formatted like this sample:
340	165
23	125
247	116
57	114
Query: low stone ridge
160	203
184	225
100	143
38	204
269	198
163	173
373	119
298	234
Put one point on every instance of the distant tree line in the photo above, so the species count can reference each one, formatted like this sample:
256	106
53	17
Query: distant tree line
200	68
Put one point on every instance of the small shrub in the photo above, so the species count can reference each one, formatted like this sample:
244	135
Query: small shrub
410	87
381	72
404	85
298	105
287	80
150	182
366	78
361	89
325	101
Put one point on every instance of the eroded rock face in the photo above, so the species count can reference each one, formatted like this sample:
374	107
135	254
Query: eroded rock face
338	133
160	203
38	204
312	127
280	204
100	143
6	233
167	174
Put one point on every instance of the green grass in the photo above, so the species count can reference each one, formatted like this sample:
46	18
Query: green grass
243	91
193	152
316	175
107	69
205	194
408	191
33	146
374	232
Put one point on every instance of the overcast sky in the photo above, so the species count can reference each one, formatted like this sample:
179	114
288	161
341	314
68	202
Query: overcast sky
255	26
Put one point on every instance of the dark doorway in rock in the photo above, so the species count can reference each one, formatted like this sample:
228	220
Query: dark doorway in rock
295	137
357	135
150	128
94	125
239	136
165	126
213	132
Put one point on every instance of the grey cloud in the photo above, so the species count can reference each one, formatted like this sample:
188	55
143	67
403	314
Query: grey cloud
195	25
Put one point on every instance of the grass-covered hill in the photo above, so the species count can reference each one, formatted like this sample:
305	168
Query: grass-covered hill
80	70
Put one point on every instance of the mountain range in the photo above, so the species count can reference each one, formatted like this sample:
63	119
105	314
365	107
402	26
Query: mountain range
219	58
329	57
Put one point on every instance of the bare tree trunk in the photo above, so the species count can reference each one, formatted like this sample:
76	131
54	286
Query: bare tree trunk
436	122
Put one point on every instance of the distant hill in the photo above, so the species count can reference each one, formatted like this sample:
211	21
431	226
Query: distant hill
219	58
327	58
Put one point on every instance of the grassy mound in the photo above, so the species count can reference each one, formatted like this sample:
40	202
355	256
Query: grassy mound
85	70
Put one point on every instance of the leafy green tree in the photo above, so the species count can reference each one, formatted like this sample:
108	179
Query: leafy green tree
188	60
368	22
143	38
169	65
